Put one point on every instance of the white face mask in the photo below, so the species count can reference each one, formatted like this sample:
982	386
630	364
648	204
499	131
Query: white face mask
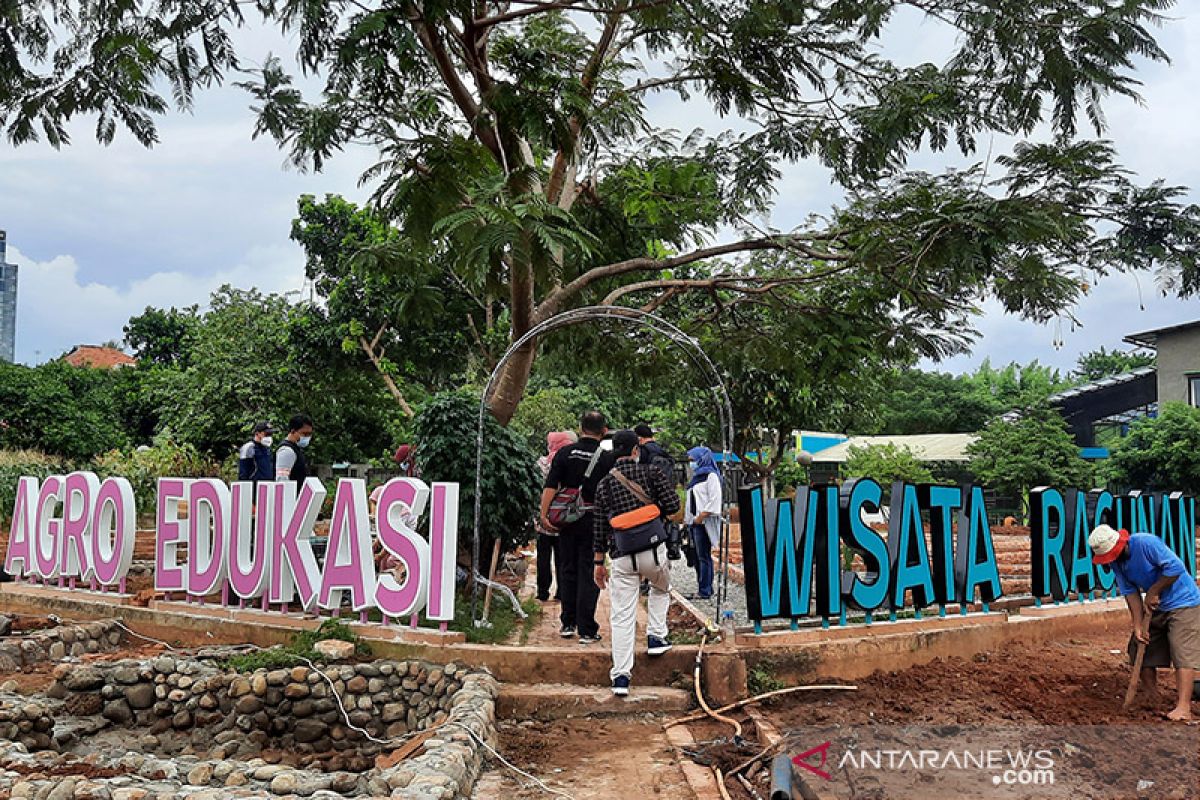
304	440
266	441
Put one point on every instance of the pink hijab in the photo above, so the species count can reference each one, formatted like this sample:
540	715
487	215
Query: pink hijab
557	440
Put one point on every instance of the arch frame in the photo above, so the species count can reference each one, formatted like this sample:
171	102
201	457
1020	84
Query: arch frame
644	320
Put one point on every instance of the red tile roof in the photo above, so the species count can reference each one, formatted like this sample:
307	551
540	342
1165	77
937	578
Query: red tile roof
96	357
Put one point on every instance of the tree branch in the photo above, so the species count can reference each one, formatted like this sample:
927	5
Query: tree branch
741	284
798	243
435	46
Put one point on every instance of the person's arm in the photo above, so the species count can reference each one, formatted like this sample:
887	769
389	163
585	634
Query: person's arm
245	469
663	492
285	459
708	498
1137	617
601	536
1170	568
544	513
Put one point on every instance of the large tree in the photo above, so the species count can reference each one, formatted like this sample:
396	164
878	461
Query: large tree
517	149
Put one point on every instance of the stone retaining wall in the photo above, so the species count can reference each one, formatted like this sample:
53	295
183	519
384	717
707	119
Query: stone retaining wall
54	644
233	719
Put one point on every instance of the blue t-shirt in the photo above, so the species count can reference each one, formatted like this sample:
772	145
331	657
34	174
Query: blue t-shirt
1149	559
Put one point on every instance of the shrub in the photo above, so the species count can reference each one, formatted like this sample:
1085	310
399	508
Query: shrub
1162	453
301	647
886	463
165	459
445	435
16	463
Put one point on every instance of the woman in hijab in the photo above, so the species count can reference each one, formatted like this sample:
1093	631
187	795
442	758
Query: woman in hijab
404	460
547	541
702	515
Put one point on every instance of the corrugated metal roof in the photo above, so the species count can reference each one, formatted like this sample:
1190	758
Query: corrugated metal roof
925	446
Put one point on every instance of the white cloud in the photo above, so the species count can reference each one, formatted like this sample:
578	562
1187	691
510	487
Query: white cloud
56	309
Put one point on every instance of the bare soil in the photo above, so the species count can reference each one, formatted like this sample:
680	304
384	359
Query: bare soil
1074	682
588	758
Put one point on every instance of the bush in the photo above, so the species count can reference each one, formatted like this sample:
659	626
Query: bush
789	474
165	459
886	463
1162	453
301	647
445	435
15	464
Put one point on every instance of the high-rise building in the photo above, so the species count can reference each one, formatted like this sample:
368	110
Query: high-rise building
8	306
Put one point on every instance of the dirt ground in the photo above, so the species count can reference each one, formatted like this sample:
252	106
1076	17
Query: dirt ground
1066	684
587	758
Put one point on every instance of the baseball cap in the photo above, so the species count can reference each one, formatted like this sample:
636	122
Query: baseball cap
1107	544
263	427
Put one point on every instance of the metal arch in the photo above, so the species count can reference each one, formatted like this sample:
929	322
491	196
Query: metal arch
684	342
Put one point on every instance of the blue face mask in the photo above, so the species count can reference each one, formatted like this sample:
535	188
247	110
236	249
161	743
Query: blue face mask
305	440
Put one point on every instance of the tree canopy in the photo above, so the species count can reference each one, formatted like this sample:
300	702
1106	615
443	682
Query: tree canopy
1161	453
518	154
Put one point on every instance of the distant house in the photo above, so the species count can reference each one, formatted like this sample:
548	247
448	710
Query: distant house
98	357
1178	363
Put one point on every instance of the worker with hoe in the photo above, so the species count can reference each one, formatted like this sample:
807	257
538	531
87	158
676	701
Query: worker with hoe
1171	605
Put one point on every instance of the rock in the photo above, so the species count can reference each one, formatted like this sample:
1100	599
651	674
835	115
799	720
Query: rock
140	695
84	679
248	705
84	704
277	677
237	779
335	649
164	665
303	708
5	625
296	691
57	651
64	790
308	730
125	674
239	687
208	702
118	711
200	774
258	684
356	685
129	793
182	720
56	690
9	686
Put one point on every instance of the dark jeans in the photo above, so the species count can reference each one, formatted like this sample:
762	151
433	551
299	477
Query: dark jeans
547	566
704	563
576	585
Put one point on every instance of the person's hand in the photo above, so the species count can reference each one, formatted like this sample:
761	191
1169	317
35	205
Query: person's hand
703	515
1141	635
546	526
1152	602
600	576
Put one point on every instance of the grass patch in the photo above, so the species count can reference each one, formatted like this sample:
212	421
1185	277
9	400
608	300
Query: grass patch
301	646
761	678
504	619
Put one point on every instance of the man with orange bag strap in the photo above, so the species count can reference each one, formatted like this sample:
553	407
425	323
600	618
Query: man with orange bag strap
630	504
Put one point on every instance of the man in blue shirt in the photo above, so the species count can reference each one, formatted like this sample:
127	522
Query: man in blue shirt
254	458
1143	563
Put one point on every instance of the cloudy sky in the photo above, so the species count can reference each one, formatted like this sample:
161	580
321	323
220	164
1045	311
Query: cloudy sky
102	232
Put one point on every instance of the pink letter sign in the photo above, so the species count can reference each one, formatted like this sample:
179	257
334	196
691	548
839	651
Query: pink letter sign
348	563
48	528
19	560
168	574
443	544
208	535
293	565
113	528
249	558
402	501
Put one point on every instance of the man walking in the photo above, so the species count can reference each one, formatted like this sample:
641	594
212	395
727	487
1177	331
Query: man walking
630	504
290	463
254	459
1143	563
576	469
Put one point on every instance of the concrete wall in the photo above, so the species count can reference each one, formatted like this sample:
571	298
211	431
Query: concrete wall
1178	355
